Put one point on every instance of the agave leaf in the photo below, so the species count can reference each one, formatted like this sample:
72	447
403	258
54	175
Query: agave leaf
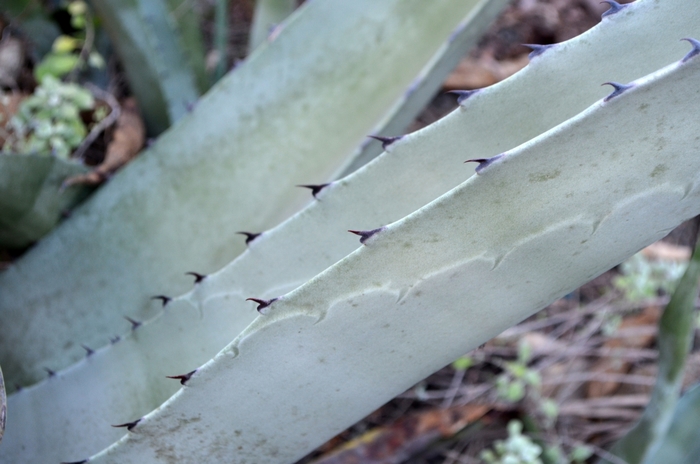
188	28
676	331
268	15
229	166
3	406
110	386
215	311
152	348
221	31
681	444
31	199
155	58
536	223
428	81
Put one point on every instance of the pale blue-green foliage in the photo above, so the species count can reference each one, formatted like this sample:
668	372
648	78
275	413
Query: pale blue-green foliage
580	453
549	409
512	384
3	401
159	46
521	449
643	278
518	381
517	449
49	122
462	363
555	454
681	445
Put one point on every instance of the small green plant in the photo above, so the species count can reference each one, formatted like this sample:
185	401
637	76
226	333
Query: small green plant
463	363
68	52
554	453
580	453
49	121
518	382
3	407
521	449
611	323
517	449
643	278
513	383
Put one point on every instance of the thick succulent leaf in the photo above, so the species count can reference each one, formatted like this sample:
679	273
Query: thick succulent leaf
154	57
71	413
681	444
31	199
110	398
428	82
536	223
676	331
188	27
230	165
3	405
268	15
220	42
283	258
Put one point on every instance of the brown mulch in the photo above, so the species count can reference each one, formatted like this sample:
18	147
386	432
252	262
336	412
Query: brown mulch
127	138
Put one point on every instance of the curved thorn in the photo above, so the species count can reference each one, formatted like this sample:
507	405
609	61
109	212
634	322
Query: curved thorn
619	89
484	162
50	372
164	299
262	304
386	141
463	95
134	323
695	51
614	8
84	461
128	425
197	277
114	340
182	378
365	234
315	188
88	351
537	50
249	236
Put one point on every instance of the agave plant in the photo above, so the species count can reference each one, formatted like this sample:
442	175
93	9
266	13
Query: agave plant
571	179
